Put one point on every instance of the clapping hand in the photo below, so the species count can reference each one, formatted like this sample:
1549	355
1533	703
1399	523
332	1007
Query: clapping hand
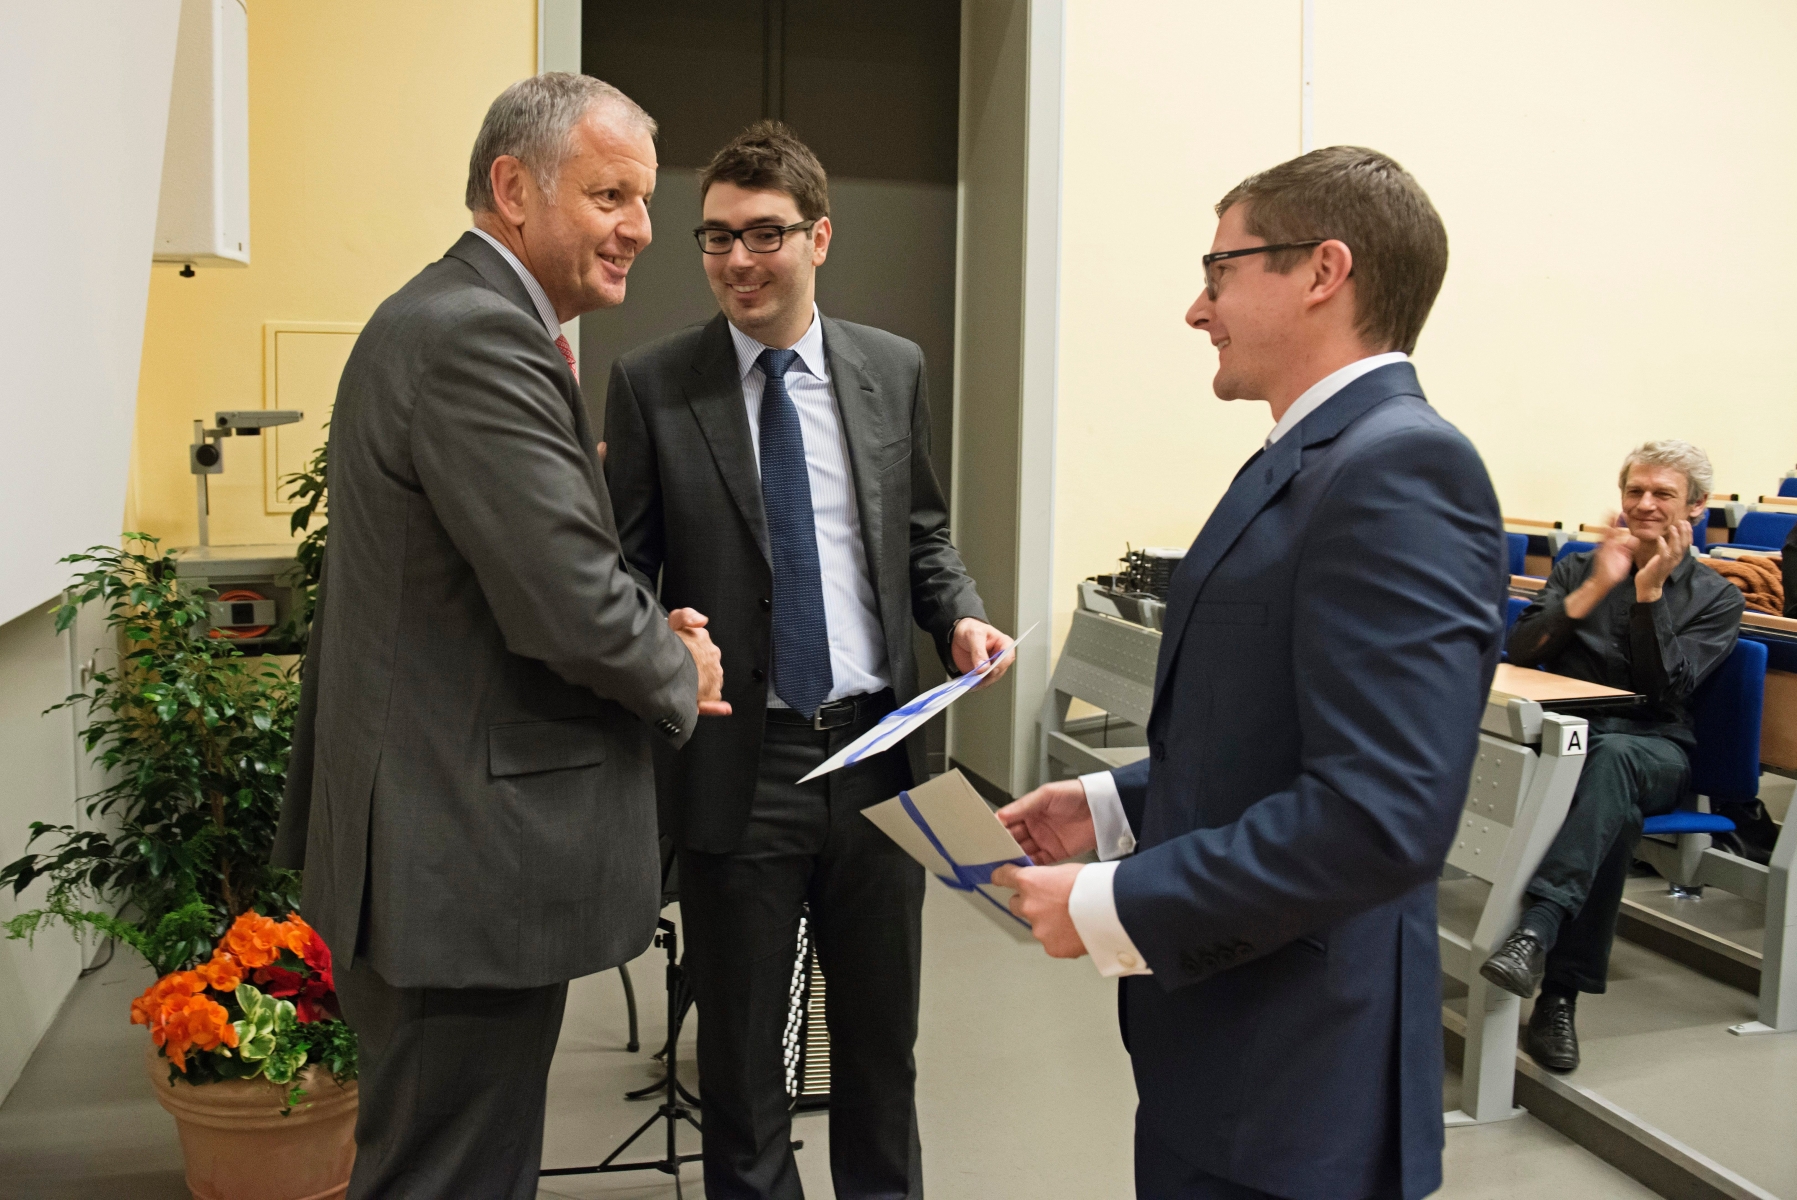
1615	558
689	625
1669	551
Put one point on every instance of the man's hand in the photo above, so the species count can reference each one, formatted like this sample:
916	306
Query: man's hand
601	451
689	625
1051	823
1669	552
1614	560
1041	899
972	643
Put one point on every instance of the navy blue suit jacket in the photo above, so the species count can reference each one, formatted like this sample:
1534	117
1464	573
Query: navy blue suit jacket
1329	642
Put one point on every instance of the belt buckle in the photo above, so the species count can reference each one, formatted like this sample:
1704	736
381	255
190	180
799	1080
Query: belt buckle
817	718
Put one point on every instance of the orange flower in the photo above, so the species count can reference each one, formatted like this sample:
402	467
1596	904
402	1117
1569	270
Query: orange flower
147	1008
222	974
297	934
193	1023
255	941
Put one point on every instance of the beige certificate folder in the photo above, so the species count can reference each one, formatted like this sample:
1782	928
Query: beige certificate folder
945	825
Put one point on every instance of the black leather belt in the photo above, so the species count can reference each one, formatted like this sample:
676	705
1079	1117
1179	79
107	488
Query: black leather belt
869	707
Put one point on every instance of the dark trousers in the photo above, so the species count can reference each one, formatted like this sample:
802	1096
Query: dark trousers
452	1087
1626	779
740	912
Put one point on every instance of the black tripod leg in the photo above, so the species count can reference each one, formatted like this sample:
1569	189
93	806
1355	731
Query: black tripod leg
629	1003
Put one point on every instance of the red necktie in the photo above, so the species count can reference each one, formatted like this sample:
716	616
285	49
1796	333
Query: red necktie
561	343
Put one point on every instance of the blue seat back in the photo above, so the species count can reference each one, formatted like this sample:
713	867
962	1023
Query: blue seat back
1764	529
1574	548
1726	709
1788	487
1513	607
1519	552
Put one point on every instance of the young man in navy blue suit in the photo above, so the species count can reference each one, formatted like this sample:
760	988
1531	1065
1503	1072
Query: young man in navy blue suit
1268	883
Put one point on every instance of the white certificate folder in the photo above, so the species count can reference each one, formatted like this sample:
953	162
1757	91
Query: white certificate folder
945	825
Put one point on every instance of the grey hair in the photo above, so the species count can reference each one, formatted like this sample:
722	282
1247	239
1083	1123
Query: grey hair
1679	456
533	121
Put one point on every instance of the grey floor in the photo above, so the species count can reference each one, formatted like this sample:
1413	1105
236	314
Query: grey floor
1025	1090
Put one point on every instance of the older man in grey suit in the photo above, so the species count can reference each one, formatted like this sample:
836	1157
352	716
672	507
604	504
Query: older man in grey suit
773	468
471	791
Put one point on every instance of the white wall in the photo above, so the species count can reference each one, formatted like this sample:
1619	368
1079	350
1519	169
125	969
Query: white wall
84	85
40	756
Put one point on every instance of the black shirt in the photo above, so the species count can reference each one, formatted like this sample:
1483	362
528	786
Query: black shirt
1662	650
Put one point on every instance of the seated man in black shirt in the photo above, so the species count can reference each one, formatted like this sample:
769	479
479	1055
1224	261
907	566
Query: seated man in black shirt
1637	613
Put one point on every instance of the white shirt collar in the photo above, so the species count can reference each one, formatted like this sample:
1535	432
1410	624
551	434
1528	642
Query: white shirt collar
810	349
1327	386
538	297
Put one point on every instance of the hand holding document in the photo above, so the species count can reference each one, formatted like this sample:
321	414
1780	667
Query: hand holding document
898	724
944	825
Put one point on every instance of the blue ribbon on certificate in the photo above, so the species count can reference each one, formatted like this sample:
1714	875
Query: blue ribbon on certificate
966	878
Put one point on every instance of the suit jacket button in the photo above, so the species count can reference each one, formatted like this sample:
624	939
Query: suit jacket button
1190	963
1159	752
757	674
766	604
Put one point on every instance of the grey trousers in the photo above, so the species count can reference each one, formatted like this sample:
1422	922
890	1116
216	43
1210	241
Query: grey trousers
452	1087
1626	778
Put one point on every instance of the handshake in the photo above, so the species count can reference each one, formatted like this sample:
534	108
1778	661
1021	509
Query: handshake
688	625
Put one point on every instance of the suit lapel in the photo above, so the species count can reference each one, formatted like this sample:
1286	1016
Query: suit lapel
864	429
714	391
1258	483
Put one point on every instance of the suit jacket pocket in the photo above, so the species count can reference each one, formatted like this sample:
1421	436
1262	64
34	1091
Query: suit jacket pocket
532	746
895	453
1212	613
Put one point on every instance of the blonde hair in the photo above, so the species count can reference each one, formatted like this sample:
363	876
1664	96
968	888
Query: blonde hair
1679	456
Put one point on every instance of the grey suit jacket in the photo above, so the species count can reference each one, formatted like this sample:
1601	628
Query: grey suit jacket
687	490
471	791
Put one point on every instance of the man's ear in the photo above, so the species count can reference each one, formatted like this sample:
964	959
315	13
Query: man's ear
1330	265
509	181
820	241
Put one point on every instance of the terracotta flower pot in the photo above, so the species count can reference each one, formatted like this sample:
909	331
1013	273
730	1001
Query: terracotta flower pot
238	1146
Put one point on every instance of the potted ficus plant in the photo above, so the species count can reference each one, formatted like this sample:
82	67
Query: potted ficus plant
248	1049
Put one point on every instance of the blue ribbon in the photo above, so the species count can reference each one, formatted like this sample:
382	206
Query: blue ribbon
966	878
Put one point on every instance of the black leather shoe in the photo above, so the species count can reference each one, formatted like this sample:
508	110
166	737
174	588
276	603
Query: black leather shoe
1518	965
1552	1040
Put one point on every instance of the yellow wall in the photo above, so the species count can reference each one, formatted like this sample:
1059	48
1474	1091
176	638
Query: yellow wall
361	119
1616	179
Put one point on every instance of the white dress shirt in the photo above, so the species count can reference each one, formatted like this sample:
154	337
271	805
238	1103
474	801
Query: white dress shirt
1093	904
538	297
857	647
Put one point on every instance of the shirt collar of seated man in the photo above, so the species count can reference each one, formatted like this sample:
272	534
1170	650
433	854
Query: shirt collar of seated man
1652	542
1276	332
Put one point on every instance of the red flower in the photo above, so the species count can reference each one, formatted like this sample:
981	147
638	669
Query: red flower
313	999
318	957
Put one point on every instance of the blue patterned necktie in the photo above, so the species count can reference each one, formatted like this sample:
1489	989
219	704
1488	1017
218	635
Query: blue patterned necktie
802	675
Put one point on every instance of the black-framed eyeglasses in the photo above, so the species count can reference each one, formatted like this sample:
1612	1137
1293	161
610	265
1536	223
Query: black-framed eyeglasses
760	239
1210	276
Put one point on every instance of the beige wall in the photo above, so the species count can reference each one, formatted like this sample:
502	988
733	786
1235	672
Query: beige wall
361	119
1616	180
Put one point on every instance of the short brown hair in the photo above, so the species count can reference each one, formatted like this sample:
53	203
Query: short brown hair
1360	197
769	157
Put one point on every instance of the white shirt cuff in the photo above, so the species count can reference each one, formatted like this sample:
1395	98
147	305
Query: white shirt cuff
1094	911
1109	824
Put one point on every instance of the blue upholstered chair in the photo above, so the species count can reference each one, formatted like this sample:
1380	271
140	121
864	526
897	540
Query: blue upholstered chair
1573	548
1519	552
1513	606
1763	531
1788	487
1725	765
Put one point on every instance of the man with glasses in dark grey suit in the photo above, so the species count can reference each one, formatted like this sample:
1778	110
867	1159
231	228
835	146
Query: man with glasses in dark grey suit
773	468
470	790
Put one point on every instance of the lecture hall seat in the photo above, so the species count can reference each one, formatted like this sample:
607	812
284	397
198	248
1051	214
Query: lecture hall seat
1519	552
1725	765
1761	531
1788	487
1574	548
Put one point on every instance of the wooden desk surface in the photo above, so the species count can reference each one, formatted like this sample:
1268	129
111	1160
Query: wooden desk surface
1543	688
